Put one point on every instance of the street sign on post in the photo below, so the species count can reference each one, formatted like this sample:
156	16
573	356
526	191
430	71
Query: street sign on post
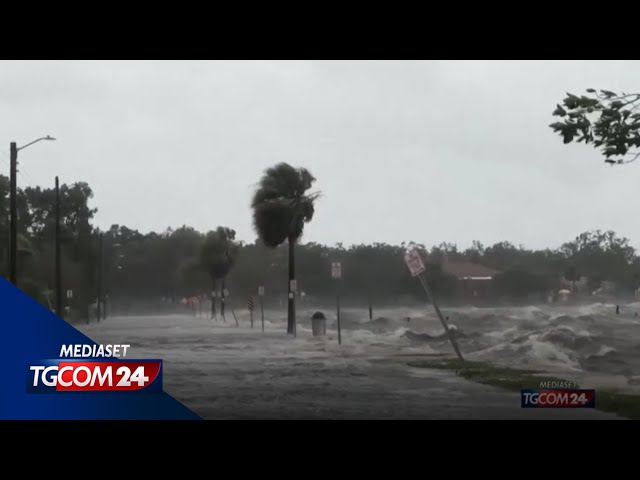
416	267
69	293
261	291
414	262
293	286
336	270
252	305
226	292
336	274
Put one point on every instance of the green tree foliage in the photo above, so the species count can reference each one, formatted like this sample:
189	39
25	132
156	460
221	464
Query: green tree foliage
375	271
518	281
600	256
218	256
36	227
179	262
607	120
281	206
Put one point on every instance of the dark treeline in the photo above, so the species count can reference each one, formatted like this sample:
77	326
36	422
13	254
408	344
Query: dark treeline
154	266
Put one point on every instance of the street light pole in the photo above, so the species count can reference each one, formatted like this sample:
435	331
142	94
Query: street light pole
13	232
13	229
100	277
57	248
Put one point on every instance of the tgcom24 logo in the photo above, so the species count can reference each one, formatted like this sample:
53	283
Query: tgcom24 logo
557	398
94	368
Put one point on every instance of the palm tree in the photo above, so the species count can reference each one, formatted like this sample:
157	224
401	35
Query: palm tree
281	206
217	256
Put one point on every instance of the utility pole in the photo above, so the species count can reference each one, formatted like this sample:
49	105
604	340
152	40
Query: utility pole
13	209
13	229
100	273
59	308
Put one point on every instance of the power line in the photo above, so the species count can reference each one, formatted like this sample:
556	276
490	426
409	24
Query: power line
22	173
6	162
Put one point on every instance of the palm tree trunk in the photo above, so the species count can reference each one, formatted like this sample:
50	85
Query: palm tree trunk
214	284
222	301
291	317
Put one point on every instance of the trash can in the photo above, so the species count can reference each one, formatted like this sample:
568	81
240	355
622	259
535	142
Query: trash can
318	324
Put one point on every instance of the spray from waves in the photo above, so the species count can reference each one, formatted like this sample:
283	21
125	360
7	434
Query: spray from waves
564	337
400	332
603	352
596	309
528	351
582	342
530	312
567	337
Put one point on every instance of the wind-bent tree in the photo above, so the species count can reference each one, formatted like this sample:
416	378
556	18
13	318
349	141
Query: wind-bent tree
281	206
606	120
217	256
191	277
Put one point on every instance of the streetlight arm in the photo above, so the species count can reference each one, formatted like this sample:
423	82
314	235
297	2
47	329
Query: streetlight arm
48	137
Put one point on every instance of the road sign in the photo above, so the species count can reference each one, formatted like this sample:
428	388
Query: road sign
226	292
336	270
213	294
293	286
251	304
414	262
69	293
261	291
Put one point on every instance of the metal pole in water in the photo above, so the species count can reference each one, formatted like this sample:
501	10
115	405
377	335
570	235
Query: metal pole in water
427	290
338	312
262	312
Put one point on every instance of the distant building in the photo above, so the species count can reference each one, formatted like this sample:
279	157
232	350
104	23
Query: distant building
473	279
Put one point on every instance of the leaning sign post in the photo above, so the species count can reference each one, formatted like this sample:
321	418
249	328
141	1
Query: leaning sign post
336	274
416	267
226	294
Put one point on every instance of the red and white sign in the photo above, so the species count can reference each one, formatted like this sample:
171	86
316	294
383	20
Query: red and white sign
336	270
414	262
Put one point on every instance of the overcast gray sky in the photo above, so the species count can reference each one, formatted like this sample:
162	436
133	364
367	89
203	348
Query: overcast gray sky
426	151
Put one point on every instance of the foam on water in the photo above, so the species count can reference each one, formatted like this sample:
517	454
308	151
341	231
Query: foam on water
589	340
604	350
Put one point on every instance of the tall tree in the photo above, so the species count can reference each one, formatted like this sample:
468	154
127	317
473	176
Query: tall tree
217	256
607	120
281	206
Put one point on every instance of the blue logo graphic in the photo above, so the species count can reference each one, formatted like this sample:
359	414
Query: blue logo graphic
29	331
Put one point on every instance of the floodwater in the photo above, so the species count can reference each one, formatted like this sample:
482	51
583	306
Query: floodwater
224	371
